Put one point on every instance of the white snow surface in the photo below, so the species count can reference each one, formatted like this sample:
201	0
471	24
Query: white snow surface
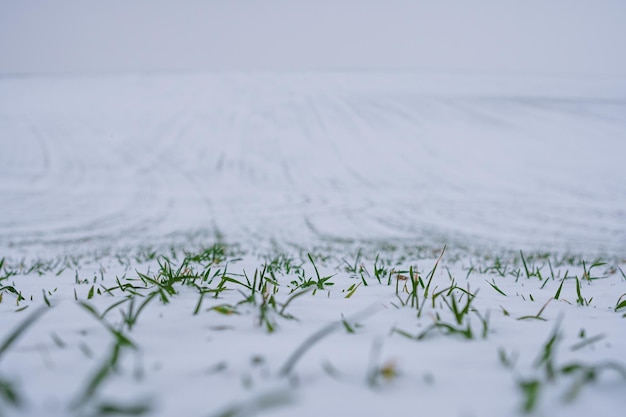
515	162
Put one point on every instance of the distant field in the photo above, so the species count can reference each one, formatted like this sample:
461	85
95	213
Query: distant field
478	161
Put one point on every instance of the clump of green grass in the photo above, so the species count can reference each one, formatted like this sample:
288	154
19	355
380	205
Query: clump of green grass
532	270
321	281
416	282
212	255
587	275
460	311
283	264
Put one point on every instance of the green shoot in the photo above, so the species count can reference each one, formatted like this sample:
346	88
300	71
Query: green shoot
495	287
580	300
525	265
352	289
530	389
557	295
538	315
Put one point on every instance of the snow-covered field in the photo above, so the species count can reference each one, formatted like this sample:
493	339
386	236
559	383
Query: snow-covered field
314	224
520	162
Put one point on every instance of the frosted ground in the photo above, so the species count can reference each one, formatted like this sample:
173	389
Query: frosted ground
316	227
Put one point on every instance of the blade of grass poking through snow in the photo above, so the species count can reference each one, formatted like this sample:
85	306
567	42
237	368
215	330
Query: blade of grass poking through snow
290	299
558	291
531	390
112	306
225	309
102	373
431	274
446	329
453	304
538	315
45	298
314	266
579	298
525	265
109	364
545	282
12	290
90	293
323	281
93	384
546	358
130	317
199	303
20	329
379	271
415	280
349	328
293	359
495	287
121	339
352	289
620	303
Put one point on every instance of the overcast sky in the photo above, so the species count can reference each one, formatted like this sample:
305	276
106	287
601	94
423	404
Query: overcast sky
77	36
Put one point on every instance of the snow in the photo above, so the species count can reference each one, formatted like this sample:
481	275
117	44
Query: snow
508	161
345	129
200	364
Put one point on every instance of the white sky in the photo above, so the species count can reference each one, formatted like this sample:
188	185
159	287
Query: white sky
75	36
